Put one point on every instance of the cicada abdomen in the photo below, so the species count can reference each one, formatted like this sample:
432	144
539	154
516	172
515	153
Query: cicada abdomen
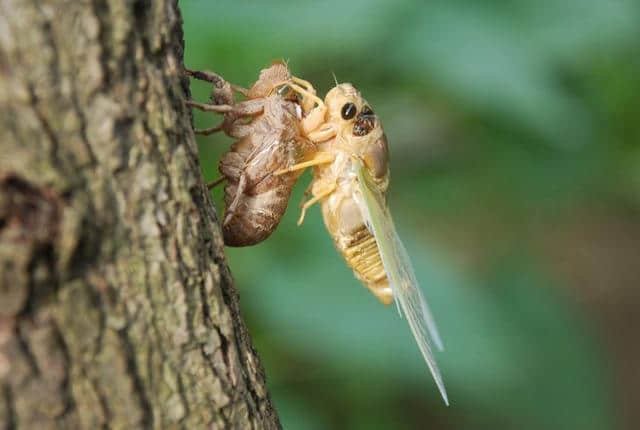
269	139
346	226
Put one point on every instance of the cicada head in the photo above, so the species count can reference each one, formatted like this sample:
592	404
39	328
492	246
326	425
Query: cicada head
358	127
269	78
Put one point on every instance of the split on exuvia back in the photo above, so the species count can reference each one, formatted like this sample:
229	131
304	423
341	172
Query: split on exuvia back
342	139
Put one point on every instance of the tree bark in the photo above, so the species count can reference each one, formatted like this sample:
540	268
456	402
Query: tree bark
117	309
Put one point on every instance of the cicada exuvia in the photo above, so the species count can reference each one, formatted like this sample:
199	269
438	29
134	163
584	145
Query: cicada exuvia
350	180
270	130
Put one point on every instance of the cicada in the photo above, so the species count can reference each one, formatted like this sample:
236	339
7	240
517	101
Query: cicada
270	130
350	180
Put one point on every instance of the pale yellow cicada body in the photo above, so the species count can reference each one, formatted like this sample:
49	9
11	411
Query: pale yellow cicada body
350	179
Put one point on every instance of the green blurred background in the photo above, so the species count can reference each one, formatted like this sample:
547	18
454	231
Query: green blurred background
515	148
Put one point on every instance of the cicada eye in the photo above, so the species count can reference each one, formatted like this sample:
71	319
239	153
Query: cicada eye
286	92
348	110
366	111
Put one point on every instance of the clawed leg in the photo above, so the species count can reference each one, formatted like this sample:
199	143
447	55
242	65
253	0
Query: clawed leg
210	107
319	158
305	84
315	116
223	103
232	127
306	93
215	183
208	131
216	79
296	85
321	195
305	195
206	76
322	134
306	90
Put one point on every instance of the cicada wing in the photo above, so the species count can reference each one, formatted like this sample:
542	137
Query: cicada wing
405	288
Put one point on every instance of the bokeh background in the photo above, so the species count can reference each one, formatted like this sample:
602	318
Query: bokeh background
514	130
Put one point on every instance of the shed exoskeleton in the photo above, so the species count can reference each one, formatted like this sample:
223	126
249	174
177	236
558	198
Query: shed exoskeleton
269	130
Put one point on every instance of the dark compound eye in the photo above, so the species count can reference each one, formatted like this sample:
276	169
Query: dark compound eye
366	111
348	111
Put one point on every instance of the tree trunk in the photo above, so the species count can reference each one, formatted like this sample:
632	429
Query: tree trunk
116	305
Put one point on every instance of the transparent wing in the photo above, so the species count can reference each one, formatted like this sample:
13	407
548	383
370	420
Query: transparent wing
405	288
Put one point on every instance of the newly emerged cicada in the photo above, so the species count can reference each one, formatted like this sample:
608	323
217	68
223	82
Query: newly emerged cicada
350	179
269	128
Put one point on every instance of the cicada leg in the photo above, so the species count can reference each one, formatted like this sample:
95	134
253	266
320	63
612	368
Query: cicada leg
217	182
306	194
318	158
302	82
321	195
230	126
223	102
210	107
316	115
215	79
208	131
322	134
300	90
239	129
247	107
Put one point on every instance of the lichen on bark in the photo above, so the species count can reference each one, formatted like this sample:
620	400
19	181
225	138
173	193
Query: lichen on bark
117	309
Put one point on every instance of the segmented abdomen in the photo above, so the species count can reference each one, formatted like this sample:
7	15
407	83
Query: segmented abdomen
263	200
362	255
257	215
357	246
255	199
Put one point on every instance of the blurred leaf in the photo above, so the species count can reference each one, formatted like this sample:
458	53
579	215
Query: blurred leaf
500	116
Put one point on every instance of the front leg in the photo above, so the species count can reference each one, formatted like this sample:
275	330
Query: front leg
322	193
245	108
313	107
318	158
217	182
232	112
218	81
210	130
315	115
232	124
210	107
325	132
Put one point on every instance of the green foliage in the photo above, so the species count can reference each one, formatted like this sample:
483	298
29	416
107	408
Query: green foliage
504	118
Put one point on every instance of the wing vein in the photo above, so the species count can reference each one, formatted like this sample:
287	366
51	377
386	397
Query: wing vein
406	291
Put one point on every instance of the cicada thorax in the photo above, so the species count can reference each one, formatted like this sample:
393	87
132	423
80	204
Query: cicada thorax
268	141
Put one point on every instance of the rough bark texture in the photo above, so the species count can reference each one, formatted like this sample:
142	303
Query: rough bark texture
116	306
